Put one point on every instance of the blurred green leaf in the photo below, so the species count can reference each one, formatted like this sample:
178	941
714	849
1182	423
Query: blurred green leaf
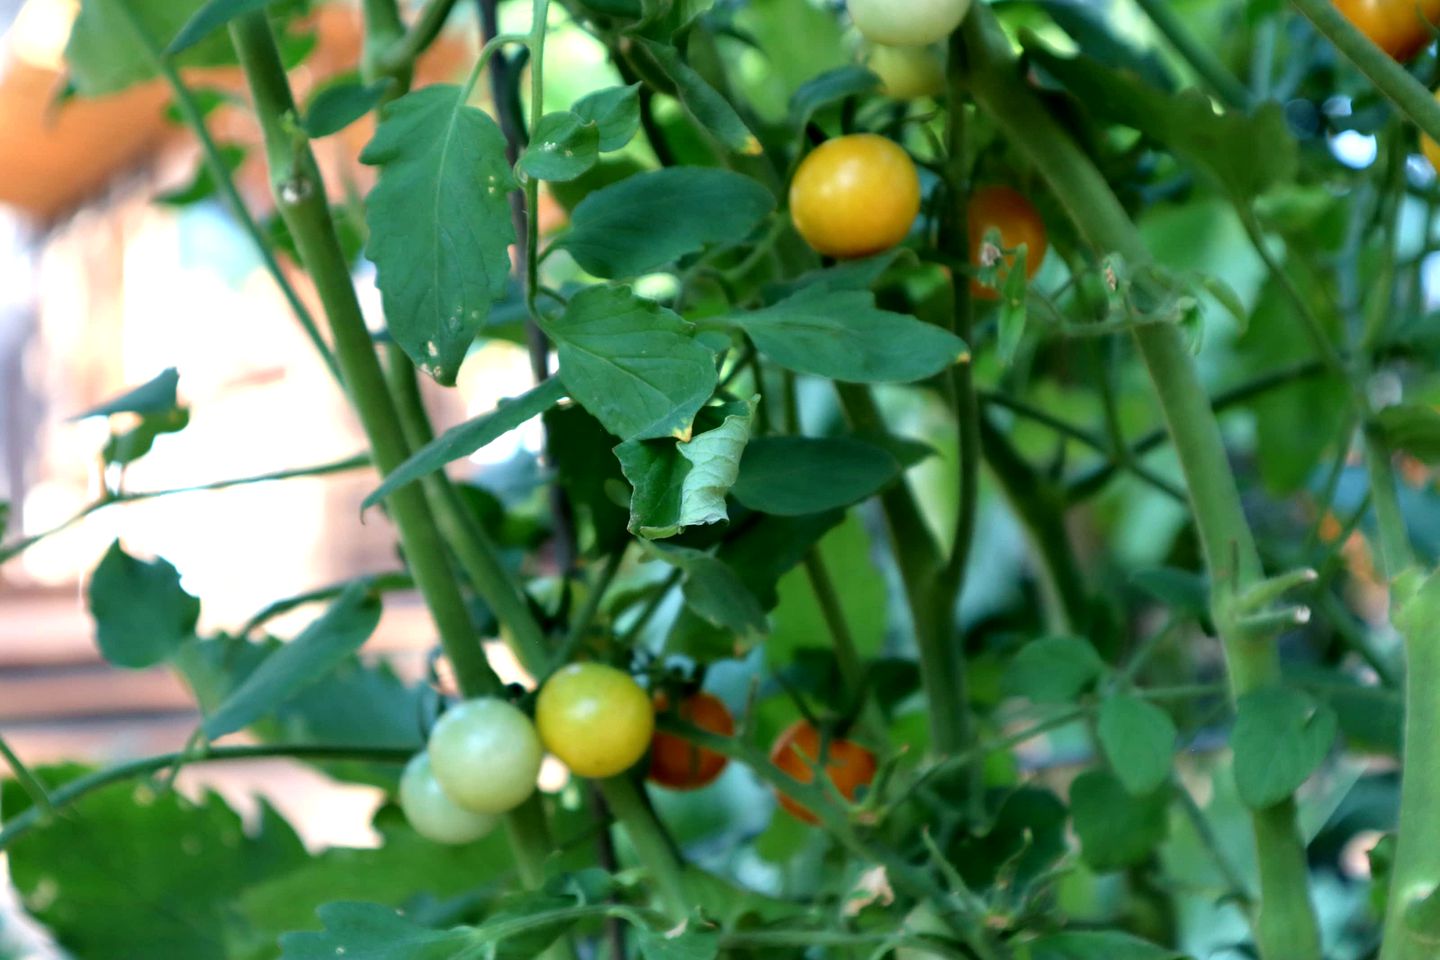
154	396
1096	945
1281	737
565	146
337	105
203	186
373	932
615	111
702	101
1414	429
142	614
791	476
830	87
209	19
1116	829
1139	741
1053	669
106	56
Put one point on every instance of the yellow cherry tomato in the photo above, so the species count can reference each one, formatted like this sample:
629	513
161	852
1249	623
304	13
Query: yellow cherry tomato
908	73
597	720
1395	26
907	23
855	196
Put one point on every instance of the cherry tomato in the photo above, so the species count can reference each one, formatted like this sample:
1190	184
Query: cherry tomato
855	196
908	73
1005	210
847	765
595	718
1394	26
677	764
431	811
907	23
486	755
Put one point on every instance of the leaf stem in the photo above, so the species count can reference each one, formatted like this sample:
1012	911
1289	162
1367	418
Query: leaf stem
28	780
1204	62
847	656
652	844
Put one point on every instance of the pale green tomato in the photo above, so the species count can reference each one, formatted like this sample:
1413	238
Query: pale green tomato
907	23
486	755
432	813
908	73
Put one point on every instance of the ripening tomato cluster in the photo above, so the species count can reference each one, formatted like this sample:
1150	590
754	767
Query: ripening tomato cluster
484	755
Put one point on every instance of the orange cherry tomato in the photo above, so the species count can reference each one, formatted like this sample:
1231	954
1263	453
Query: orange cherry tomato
678	764
1017	220
848	765
1394	26
855	196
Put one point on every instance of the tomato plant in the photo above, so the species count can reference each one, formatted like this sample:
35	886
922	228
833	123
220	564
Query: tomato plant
595	718
1111	577
800	749
855	196
675	762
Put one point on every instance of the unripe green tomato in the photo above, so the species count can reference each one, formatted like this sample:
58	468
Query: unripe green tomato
908	73
486	755
907	23
430	810
923	921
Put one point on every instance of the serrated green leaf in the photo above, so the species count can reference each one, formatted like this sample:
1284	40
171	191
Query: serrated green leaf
632	363
142	614
616	111
1139	741
1281	737
440	227
307	659
468	437
842	335
649	220
210	18
368	931
791	476
1053	669
678	485
565	146
155	396
337	105
1115	828
682	943
703	102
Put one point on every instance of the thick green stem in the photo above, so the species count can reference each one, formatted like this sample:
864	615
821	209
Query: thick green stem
300	197
1409	933
1389	77
1205	64
1287	927
652	845
476	552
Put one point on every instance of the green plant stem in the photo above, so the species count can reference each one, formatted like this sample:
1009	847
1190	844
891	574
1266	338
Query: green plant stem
379	583
300	197
325	469
1205	64
1389	77
225	183
475	551
652	845
847	656
1415	875
402	54
27	780
1287	926
27	820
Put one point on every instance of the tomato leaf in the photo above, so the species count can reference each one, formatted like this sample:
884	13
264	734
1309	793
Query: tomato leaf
702	101
649	220
842	335
338	105
1413	428
373	932
1281	736
465	439
1115	828
440	227
106	56
683	943
632	363
1096	945
154	396
210	18
307	659
142	614
1053	669
679	485
791	476
829	88
1139	741
565	146
715	591
616	111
